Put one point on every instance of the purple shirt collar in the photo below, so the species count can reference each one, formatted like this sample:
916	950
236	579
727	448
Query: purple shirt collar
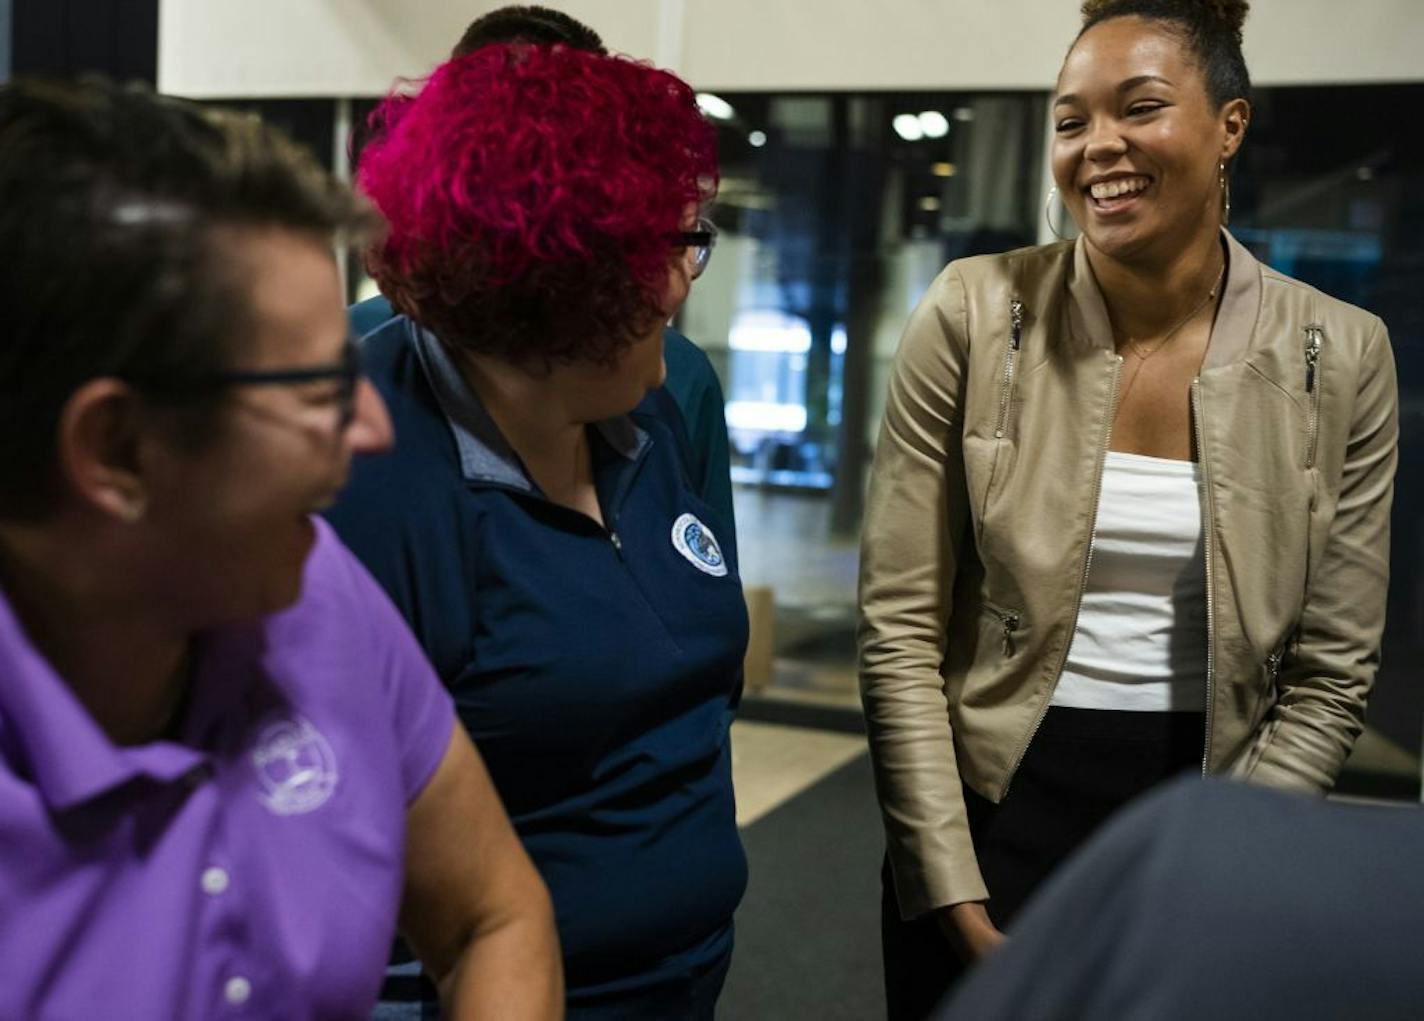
50	736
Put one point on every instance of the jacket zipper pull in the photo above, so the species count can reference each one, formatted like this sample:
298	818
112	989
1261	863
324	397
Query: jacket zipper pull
1011	624
1016	314
1312	356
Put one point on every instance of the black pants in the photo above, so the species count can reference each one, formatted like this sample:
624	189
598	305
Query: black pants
1082	765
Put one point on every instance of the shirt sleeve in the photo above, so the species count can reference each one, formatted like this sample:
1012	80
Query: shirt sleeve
420	710
1325	680
916	515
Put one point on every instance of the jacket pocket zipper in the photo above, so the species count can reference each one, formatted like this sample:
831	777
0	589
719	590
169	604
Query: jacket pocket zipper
1006	391
1314	340
1273	662
1009	620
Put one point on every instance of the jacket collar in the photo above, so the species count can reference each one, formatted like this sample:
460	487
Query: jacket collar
1236	315
485	455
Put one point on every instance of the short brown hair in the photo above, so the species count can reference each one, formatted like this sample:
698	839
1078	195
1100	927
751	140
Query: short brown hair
114	209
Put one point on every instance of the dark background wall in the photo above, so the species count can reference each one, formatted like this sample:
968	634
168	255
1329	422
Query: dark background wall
4	39
118	38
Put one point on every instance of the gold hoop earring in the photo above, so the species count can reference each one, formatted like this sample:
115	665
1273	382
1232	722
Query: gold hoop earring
1048	213
1225	183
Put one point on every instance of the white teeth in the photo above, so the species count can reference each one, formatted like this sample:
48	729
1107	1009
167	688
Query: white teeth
1121	186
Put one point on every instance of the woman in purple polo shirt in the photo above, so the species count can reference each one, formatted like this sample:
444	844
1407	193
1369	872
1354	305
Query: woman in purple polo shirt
224	763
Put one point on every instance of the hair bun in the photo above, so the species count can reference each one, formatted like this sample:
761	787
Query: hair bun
1230	13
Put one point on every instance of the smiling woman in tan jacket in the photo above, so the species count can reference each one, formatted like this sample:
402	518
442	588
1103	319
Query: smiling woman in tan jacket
1129	514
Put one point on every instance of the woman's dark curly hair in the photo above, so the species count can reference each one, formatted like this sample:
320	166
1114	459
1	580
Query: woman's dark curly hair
1210	28
533	195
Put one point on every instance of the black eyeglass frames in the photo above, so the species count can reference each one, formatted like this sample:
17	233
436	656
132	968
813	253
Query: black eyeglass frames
346	373
699	243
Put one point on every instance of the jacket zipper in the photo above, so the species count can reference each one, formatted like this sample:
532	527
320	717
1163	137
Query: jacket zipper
1273	661
1207	532
1083	576
1016	310
1009	620
1314	338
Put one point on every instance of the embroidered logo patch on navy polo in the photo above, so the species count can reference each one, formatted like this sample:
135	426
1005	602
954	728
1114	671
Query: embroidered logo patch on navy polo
698	545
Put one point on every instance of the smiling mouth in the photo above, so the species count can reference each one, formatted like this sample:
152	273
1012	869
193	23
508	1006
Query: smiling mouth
1117	192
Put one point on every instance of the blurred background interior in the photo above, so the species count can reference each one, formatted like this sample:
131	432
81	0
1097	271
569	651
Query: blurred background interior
862	147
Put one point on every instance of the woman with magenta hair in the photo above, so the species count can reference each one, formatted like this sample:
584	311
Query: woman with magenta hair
536	524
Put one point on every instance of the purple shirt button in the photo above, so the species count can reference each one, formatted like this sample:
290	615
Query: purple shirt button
214	881
237	991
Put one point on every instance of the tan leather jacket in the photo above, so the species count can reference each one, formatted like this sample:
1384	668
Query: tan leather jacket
980	518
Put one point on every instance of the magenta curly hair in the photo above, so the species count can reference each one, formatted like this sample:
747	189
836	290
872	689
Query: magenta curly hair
532	194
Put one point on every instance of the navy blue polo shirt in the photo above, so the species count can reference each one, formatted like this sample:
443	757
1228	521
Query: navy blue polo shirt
595	667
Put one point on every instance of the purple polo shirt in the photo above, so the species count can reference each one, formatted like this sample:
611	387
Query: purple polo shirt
252	868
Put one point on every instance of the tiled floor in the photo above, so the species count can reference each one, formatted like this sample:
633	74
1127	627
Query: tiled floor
772	764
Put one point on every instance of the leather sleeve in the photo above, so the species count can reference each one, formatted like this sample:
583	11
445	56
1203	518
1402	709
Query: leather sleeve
1325	680
915	519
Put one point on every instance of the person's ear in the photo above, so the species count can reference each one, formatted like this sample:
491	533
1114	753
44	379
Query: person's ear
98	449
1235	119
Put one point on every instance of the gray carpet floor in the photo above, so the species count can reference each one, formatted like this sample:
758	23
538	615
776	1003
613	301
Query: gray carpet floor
808	930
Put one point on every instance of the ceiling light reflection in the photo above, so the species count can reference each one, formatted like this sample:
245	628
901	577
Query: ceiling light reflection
934	124
907	126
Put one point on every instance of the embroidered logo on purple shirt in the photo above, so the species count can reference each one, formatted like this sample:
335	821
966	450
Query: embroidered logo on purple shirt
295	765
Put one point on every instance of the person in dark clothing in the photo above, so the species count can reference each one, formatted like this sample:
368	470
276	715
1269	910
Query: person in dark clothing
537	523
1213	899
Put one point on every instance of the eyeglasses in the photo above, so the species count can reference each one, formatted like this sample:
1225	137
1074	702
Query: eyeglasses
699	244
346	373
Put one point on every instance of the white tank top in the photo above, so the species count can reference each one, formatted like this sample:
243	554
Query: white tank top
1140	643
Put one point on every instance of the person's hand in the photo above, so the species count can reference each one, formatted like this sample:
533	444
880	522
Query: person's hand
968	929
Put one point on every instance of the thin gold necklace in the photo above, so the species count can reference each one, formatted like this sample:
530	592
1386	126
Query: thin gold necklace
1137	349
1167	337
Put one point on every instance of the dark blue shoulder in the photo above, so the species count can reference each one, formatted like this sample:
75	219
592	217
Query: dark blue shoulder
683	353
660	415
425	448
659	411
389	349
366	316
689	371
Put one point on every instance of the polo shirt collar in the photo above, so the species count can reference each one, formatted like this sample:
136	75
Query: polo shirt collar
47	735
485	455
